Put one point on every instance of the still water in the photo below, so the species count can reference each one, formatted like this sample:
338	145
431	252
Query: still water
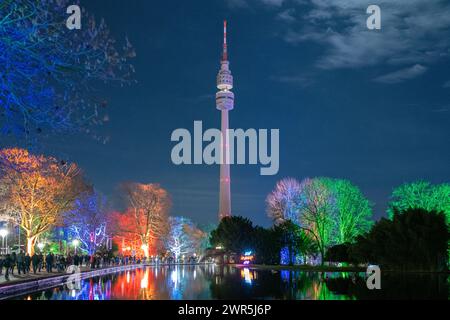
214	282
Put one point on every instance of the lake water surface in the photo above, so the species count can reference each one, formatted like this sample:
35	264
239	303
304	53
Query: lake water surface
227	282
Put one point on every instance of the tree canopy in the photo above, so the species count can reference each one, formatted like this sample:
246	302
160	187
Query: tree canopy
48	73
415	239
146	219
331	211
233	234
40	189
421	195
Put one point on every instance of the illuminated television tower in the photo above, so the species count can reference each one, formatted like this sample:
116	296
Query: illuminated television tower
225	103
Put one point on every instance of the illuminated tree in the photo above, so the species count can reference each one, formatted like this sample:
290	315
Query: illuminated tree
88	221
421	195
330	211
415	240
41	189
50	75
292	242
317	212
353	211
184	238
282	203
147	216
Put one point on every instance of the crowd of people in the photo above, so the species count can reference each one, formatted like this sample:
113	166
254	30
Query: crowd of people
24	264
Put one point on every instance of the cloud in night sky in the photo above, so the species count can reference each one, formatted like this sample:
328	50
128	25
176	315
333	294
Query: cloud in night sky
402	75
339	27
287	15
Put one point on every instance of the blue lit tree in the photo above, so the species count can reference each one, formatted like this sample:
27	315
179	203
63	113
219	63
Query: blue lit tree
49	75
88	222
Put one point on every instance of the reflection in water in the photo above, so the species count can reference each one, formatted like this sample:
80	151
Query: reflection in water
247	275
217	282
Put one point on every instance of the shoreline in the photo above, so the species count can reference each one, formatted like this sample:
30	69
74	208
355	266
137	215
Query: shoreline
9	289
306	268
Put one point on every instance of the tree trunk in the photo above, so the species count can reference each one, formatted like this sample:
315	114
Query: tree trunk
31	241
146	250
322	256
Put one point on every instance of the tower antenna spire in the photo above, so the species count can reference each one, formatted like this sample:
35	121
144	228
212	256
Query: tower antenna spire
225	45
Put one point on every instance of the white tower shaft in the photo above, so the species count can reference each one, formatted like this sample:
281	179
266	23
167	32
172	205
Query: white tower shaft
225	175
224	103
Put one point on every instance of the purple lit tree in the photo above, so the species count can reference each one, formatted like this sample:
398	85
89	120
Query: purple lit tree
49	74
283	202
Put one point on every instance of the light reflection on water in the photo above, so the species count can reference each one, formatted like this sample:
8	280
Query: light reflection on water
217	282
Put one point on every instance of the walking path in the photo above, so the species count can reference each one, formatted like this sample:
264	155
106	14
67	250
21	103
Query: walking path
16	278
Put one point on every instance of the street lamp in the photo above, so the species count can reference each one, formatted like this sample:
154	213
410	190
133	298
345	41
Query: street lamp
3	234
41	246
76	243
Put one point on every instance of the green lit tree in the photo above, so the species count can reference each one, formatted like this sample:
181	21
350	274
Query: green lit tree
422	195
330	211
353	211
415	240
317	213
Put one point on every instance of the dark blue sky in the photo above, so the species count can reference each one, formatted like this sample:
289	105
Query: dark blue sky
369	106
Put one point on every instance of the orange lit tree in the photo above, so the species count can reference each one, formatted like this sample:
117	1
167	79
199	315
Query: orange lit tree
146	218
40	189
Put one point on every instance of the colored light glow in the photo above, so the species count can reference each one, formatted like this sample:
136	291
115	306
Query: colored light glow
3	233
247	276
247	259
284	256
145	280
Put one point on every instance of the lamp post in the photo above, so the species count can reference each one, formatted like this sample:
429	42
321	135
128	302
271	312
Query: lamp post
41	246
3	234
76	243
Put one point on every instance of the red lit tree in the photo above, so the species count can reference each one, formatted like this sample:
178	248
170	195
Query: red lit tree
146	219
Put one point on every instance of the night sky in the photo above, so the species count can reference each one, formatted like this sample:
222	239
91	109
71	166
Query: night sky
368	106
